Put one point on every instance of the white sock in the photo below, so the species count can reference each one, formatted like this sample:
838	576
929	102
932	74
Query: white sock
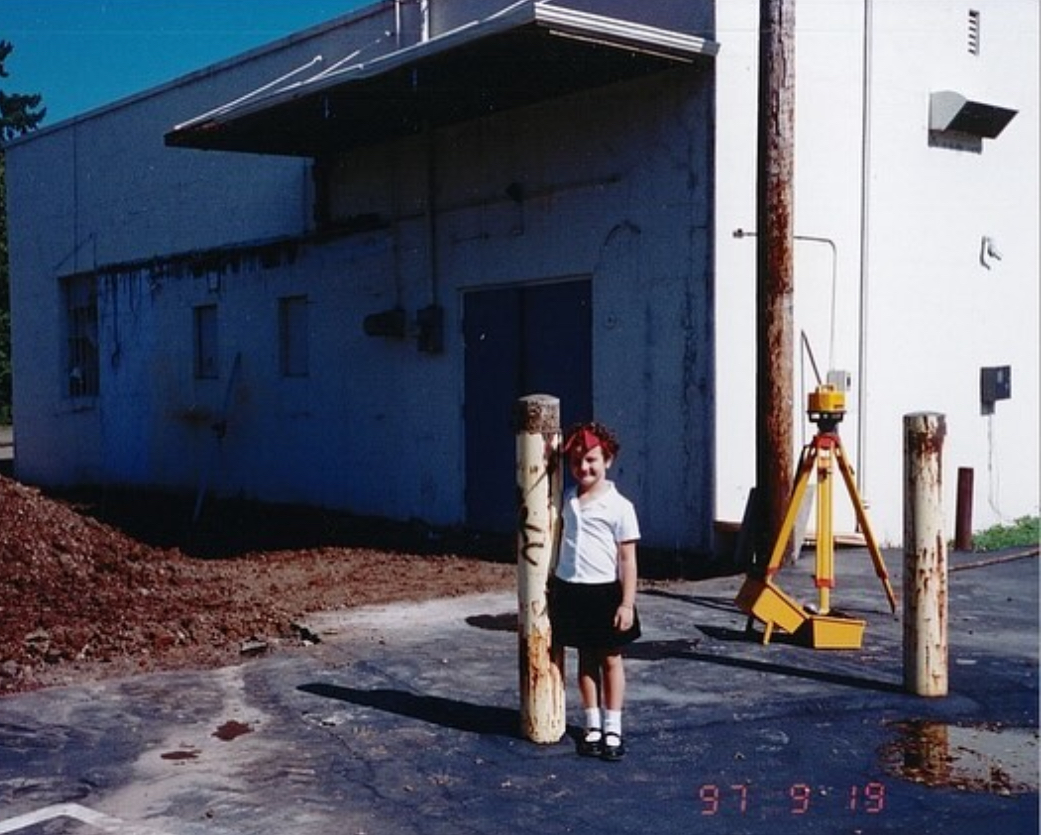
613	722
592	718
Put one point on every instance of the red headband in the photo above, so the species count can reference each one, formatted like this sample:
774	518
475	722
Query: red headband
582	440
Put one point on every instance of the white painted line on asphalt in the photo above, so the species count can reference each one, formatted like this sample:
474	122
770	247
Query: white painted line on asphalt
104	822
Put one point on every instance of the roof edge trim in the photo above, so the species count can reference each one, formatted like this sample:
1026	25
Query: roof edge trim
588	26
557	20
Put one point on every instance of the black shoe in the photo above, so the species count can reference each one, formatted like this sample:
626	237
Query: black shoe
612	749
592	744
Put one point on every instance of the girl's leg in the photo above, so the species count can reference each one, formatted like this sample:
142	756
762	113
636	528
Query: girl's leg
589	678
614	697
614	681
591	743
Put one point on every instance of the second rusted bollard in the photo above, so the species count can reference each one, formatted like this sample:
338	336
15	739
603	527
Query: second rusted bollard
925	556
539	480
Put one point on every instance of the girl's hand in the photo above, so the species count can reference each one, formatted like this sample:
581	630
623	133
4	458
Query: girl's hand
623	618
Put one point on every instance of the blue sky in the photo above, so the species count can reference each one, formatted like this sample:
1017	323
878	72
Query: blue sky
81	54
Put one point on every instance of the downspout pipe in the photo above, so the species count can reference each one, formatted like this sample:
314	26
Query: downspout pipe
865	211
431	217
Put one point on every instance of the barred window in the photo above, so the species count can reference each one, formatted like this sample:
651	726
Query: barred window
81	328
293	336
205	340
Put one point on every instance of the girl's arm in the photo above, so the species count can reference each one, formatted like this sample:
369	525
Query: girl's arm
623	619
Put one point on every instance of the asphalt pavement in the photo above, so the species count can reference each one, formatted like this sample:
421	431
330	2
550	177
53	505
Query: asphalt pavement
404	719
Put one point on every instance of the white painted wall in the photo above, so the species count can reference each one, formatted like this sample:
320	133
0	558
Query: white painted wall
934	314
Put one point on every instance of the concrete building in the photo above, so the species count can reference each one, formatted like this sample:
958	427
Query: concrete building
323	271
916	252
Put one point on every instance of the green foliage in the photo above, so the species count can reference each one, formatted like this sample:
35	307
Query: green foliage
1023	533
19	113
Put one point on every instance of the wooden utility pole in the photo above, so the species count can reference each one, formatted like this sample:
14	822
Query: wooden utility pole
774	267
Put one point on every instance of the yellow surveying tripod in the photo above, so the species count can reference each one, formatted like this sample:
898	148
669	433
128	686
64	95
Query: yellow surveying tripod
760	598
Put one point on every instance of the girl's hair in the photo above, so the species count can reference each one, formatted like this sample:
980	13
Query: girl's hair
576	438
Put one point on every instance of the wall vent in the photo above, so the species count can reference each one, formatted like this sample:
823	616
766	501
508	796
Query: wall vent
952	112
974	32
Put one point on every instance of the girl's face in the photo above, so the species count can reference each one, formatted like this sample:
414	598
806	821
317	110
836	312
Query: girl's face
589	468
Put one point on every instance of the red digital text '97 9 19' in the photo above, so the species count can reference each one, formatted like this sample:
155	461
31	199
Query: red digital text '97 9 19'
796	799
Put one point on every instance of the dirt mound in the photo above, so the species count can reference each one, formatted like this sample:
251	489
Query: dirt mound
80	599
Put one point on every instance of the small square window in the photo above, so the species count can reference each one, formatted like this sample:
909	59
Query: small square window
205	338
293	336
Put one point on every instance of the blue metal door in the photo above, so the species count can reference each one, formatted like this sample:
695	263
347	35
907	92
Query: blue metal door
533	339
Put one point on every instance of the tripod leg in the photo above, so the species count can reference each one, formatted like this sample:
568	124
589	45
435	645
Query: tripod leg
865	525
798	494
825	579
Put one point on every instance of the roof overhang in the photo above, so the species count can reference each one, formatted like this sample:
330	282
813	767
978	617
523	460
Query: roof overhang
528	53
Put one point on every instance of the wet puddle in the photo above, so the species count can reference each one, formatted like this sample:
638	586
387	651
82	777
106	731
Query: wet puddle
231	730
988	758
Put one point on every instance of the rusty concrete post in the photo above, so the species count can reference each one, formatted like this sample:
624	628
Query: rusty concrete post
925	556
539	482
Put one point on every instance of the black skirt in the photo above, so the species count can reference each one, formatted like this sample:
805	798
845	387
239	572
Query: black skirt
582	615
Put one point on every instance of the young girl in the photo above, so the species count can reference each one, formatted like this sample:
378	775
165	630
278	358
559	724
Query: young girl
593	591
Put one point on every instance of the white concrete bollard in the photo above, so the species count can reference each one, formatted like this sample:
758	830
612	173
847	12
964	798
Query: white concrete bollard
925	556
539	483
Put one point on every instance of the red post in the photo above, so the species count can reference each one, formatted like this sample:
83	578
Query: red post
963	511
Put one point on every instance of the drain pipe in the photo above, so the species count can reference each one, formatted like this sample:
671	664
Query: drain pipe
431	218
424	15
865	210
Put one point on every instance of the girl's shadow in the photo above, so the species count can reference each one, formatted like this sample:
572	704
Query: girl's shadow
449	713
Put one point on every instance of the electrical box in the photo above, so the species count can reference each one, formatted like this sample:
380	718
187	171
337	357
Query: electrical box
430	329
995	385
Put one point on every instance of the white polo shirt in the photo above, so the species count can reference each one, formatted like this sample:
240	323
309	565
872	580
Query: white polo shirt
592	534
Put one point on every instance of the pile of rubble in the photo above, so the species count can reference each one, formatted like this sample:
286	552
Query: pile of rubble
80	599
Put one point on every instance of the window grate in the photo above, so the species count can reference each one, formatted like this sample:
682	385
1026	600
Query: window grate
205	338
974	32
293	336
81	329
